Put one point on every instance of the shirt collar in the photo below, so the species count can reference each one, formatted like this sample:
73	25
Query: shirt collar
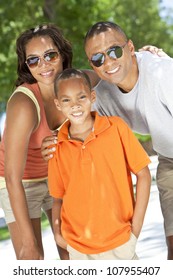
100	125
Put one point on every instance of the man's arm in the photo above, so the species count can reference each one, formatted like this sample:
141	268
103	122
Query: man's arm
48	147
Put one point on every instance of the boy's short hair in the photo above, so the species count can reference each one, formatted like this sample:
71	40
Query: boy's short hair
71	73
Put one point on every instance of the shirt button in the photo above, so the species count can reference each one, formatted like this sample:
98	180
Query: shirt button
83	147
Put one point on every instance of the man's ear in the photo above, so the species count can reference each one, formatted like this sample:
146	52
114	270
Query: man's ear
131	47
57	104
93	96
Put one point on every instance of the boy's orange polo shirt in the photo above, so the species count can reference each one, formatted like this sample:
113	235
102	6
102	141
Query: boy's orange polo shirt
93	179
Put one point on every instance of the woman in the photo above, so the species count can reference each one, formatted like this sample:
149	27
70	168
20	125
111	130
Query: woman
42	53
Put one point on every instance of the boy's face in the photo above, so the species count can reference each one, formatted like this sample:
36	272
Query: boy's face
113	70
74	99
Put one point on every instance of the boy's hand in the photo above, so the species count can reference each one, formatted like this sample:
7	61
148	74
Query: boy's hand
60	241
136	231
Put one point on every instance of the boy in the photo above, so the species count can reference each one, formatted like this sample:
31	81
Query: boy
95	215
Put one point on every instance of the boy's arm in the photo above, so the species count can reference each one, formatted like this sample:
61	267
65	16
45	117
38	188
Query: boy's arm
142	196
56	220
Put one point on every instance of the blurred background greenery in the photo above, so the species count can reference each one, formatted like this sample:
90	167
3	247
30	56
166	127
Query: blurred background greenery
141	20
145	22
4	233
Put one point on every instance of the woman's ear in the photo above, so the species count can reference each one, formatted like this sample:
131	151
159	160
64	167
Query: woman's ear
57	104
93	96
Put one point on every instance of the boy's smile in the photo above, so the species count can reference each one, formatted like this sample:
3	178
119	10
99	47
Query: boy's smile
75	100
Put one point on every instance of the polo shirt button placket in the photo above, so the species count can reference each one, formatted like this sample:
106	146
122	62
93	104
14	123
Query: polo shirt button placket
83	147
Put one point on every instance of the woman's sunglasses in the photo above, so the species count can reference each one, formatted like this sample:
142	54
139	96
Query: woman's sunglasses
114	52
33	61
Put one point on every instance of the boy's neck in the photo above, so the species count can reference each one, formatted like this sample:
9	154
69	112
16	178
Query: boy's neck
80	132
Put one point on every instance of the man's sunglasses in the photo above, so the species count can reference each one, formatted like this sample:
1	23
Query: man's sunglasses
33	61
114	52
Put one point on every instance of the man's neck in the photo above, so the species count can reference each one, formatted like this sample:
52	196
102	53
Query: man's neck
131	79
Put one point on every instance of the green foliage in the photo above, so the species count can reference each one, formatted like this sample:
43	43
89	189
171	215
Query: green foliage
4	233
143	138
140	19
15	17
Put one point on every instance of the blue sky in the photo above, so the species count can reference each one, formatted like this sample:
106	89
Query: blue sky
167	6
167	3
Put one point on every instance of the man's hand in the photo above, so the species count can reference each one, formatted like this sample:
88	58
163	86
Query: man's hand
48	147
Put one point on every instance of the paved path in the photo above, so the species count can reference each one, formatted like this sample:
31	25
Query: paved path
151	243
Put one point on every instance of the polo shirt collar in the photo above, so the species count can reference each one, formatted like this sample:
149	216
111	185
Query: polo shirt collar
100	125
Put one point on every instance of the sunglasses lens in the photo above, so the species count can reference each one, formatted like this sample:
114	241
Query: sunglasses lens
98	59
32	61
115	52
51	56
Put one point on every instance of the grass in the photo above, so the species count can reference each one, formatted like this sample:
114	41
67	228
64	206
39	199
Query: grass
4	233
143	138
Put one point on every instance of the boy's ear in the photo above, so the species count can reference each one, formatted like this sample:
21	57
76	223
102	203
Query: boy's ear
57	104
93	96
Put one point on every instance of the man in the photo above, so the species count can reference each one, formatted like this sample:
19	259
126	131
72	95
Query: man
137	87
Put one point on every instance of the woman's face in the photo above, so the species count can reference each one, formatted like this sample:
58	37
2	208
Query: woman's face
44	59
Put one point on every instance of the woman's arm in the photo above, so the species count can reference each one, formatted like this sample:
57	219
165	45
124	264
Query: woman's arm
142	196
20	123
154	50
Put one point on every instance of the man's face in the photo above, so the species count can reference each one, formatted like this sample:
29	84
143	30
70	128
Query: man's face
116	71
